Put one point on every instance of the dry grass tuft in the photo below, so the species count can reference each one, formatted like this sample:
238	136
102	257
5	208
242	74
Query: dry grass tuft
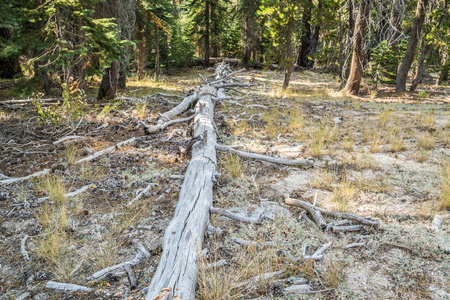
233	164
426	141
445	190
343	194
384	116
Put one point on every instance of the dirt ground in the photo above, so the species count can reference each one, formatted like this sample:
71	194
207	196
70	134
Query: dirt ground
382	155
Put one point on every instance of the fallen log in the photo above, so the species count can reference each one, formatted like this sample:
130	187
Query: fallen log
234	216
275	160
176	273
67	287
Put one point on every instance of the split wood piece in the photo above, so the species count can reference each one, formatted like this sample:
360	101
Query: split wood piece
131	276
233	216
70	137
275	160
142	193
177	177
253	282
67	287
77	267
436	224
259	244
352	217
183	238
318	254
67	195
23	250
141	255
345	228
312	210
149	129
104	151
217	264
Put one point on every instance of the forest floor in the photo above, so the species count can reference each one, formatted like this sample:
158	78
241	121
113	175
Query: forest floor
382	154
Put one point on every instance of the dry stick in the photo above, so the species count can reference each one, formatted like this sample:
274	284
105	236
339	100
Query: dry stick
258	244
355	218
354	245
67	287
24	252
246	105
69	137
71	194
276	160
345	228
131	276
254	281
312	210
352	217
19	179
107	150
155	128
233	216
139	196
217	264
142	254
297	289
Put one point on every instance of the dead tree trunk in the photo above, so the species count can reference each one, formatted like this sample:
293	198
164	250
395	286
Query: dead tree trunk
395	33
416	30
9	67
110	82
177	271
206	33
421	65
356	69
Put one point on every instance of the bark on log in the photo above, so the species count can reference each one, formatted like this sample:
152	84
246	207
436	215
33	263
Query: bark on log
182	241
234	216
67	287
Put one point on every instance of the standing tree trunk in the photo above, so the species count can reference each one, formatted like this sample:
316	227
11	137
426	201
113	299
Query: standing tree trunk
416	30
248	42
303	57
9	67
443	74
344	61
110	82
421	64
394	34
356	68
140	54
157	71
289	55
206	33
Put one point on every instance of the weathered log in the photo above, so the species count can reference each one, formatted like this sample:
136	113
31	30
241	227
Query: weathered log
345	228
217	264
177	272
149	129
19	179
312	210
276	160
252	282
104	151
259	244
131	276
23	250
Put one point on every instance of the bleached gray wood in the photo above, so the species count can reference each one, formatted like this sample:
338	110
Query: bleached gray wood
131	276
234	216
253	282
104	151
19	179
353	245
298	289
140	256
23	249
275	160
259	244
66	287
142	193
67	195
217	264
312	210
182	241
352	217
155	128
70	137
345	228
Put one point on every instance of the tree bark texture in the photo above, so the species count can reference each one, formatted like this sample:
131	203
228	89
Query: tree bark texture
416	30
394	34
303	57
356	68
